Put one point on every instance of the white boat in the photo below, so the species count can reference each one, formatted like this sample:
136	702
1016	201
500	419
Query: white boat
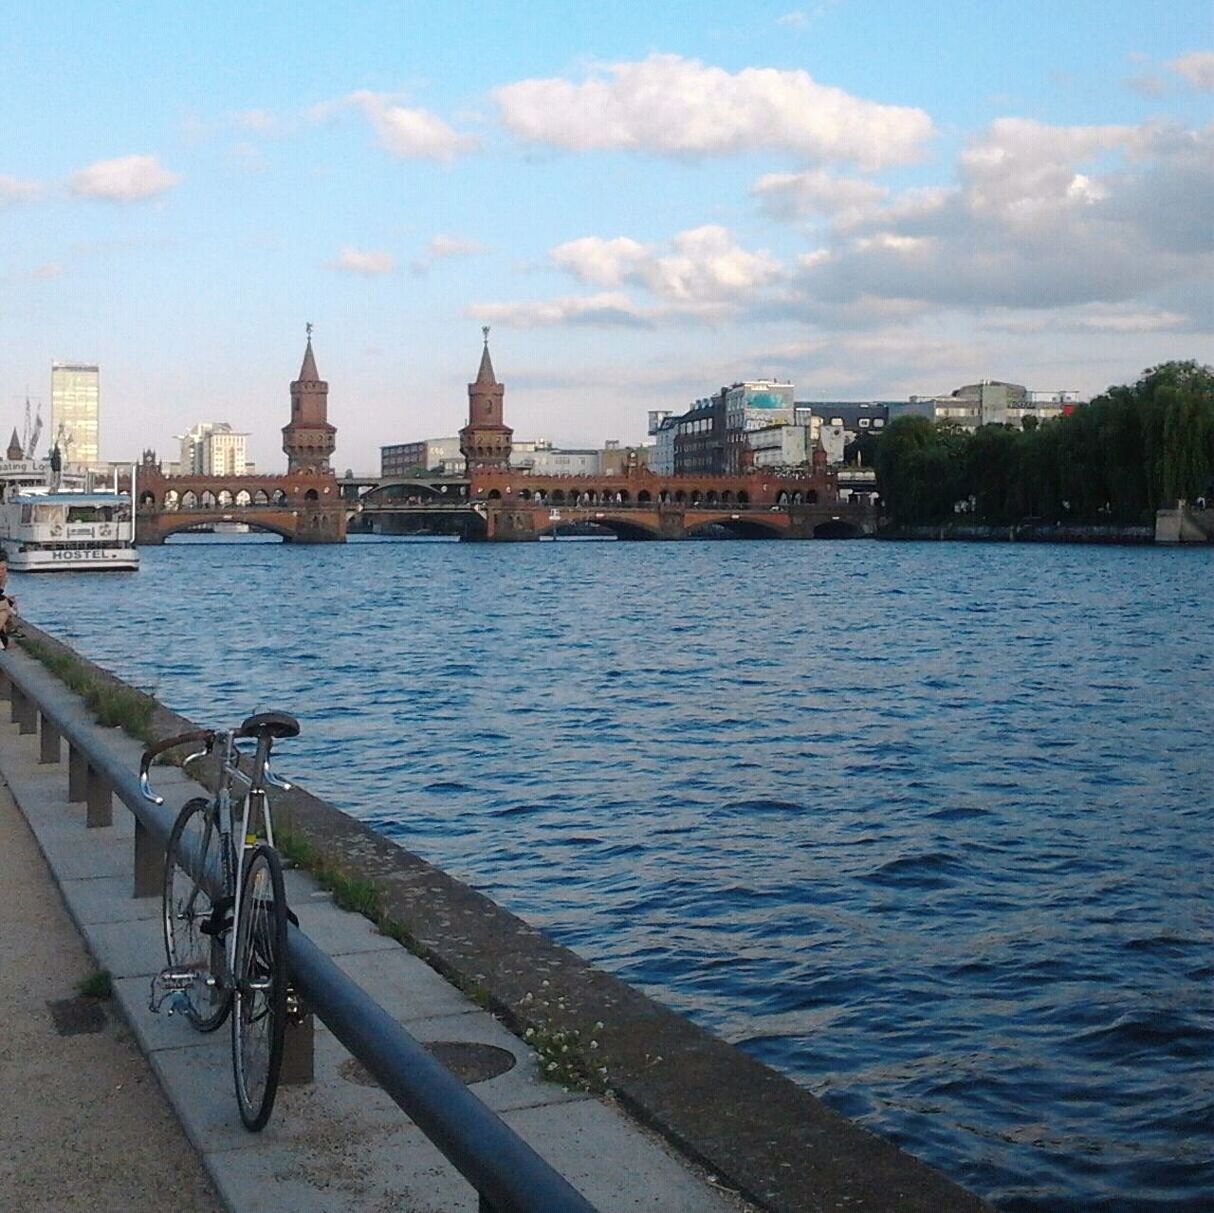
49	524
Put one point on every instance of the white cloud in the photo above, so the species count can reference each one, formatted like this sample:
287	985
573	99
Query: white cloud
361	261
1197	68
607	308
1041	217
816	192
14	189
408	133
674	106
124	179
444	248
702	266
603	262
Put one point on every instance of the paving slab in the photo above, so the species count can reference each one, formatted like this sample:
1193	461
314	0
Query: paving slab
404	985
126	949
102	899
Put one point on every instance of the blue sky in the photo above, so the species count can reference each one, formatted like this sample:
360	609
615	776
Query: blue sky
869	197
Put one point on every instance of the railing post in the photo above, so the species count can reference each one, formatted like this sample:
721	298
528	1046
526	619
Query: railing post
25	711
299	1047
6	685
100	803
50	751
77	775
149	863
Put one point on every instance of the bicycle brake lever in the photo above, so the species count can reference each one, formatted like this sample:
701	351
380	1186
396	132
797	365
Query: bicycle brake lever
274	780
146	788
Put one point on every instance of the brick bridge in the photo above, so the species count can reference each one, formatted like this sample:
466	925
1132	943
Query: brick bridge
302	507
509	505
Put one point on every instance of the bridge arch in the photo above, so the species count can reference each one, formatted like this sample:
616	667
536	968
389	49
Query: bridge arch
622	528
182	522
754	526
838	528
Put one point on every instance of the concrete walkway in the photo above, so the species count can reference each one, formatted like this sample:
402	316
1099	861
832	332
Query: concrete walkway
335	1145
83	1122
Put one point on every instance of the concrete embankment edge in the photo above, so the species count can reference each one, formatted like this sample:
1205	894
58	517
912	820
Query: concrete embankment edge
780	1146
1023	533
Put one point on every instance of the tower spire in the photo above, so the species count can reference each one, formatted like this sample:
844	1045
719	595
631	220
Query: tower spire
486	441
308	438
485	376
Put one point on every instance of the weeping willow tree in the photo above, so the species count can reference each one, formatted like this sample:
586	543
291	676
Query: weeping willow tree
1131	451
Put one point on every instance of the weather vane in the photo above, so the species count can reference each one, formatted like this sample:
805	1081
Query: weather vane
485	330
308	326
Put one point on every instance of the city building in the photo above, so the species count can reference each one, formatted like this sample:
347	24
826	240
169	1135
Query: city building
616	460
780	446
308	439
438	456
837	423
757	404
76	411
214	448
541	458
993	402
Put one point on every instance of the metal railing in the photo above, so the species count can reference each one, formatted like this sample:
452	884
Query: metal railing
508	1175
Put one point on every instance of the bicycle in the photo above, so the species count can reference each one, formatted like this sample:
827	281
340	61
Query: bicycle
225	912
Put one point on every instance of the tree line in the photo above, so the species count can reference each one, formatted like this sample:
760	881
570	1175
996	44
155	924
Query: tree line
1129	452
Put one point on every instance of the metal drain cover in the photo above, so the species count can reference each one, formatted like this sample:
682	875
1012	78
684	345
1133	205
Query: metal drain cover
468	1061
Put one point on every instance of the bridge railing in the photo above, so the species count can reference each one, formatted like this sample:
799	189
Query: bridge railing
508	1175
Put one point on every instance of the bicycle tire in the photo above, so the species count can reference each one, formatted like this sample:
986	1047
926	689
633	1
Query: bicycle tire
259	980
186	907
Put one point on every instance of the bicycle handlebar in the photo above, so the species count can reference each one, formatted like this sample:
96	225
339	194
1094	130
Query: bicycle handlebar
206	736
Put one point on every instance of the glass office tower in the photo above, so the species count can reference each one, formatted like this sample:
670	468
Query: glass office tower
76	411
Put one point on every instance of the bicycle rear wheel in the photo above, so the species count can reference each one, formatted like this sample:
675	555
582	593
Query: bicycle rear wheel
188	909
260	985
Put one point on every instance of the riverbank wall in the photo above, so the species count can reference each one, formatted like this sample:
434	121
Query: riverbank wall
757	1131
1024	532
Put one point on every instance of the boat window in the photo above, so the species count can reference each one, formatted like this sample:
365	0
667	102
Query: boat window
27	513
83	513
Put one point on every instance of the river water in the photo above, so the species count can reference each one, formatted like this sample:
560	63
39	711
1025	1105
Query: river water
926	826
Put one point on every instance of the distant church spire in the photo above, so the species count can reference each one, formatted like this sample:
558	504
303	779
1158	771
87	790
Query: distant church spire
14	446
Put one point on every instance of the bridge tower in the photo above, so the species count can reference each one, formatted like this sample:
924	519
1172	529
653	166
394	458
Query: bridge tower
308	439
485	441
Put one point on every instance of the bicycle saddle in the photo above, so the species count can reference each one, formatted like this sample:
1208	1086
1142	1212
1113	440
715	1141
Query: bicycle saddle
269	724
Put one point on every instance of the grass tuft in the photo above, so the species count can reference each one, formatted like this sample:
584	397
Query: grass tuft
112	704
97	985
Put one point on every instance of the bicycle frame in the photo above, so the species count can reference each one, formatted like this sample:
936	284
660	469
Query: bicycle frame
254	816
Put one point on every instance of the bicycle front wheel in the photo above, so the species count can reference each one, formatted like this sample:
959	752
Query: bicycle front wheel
192	938
260	987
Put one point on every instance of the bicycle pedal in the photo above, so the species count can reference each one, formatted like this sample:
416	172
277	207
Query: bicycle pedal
167	983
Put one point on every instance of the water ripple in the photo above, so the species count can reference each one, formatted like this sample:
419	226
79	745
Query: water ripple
927	827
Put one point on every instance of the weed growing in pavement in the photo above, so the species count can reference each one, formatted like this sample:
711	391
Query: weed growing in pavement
112	705
97	985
